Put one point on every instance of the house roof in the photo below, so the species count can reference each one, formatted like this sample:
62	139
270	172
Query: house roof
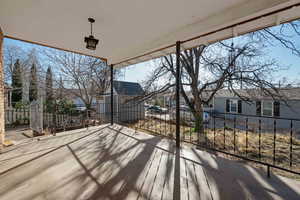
287	93
128	88
130	32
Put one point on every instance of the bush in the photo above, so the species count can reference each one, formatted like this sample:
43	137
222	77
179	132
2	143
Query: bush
20	105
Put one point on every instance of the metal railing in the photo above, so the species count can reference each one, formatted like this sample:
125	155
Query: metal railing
273	142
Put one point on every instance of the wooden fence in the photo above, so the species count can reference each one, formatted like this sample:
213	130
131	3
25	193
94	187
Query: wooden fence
15	117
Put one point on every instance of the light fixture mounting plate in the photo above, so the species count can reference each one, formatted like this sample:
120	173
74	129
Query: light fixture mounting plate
92	20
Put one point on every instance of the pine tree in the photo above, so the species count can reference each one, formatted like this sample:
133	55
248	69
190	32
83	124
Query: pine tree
16	83
33	87
49	89
49	85
61	88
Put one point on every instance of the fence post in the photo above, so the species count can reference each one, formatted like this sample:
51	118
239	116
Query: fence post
111	95
214	118
177	94
54	117
224	132
247	136
291	144
234	134
259	142
274	143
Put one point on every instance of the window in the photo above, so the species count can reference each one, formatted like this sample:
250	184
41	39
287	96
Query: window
267	108
233	106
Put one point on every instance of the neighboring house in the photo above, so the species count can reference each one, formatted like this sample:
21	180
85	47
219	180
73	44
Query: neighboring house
80	105
7	94
126	107
70	95
170	100
261	107
13	115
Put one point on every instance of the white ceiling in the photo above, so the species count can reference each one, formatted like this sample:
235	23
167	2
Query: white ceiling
125	28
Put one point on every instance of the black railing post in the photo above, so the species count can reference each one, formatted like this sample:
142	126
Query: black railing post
291	144
234	134
214	118
274	143
177	94
259	141
111	95
224	132
247	136
54	116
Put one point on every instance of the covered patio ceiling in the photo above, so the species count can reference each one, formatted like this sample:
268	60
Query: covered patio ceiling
134	31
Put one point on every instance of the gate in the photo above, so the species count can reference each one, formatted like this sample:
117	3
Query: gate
36	116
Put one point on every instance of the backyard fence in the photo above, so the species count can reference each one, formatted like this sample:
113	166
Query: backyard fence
16	117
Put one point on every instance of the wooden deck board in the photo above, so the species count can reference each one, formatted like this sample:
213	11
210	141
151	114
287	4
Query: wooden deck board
168	186
116	162
198	186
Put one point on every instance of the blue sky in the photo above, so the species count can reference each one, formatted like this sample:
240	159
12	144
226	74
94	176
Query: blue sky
139	72
287	58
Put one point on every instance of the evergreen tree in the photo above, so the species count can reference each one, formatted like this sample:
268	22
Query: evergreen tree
49	85
16	83
33	87
49	89
61	88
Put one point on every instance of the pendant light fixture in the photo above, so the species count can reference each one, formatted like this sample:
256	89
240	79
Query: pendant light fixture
91	42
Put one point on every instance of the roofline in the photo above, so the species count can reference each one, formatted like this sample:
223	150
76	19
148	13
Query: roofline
126	81
54	47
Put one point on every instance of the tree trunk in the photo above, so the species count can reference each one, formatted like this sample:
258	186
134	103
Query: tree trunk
198	109
199	123
2	114
199	128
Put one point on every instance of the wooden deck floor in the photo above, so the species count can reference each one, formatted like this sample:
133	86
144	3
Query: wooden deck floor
115	162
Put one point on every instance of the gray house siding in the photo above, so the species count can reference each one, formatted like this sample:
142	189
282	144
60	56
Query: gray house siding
107	110
129	111
124	112
125	108
290	111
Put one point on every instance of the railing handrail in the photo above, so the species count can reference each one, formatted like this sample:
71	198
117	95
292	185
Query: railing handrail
254	116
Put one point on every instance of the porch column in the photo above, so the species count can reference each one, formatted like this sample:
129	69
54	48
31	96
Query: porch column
2	115
111	95
177	94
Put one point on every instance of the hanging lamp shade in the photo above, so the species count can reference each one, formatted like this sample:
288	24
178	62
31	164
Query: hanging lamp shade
91	41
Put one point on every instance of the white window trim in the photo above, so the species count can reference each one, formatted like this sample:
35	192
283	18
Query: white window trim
237	105
262	108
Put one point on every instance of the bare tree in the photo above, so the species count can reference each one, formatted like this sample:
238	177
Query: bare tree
11	55
205	70
26	58
83	76
285	35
